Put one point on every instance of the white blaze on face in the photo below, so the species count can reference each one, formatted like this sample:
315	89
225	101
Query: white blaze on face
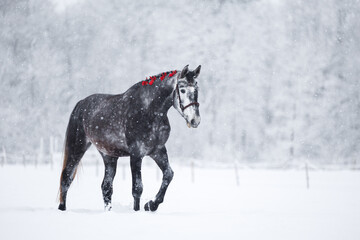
186	100
187	96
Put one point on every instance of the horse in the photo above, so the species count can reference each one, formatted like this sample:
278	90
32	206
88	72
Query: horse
132	124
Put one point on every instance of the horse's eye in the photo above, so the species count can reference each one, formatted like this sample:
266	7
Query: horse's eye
182	90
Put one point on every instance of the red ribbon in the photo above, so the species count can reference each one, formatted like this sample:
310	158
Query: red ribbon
153	78
172	73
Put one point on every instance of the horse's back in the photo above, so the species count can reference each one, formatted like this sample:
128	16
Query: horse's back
103	117
93	101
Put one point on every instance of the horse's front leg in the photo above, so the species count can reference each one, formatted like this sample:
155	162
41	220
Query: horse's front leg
107	184
137	186
161	159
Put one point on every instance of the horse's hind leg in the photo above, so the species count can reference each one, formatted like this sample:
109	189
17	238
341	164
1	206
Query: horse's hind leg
161	159
76	145
71	163
107	184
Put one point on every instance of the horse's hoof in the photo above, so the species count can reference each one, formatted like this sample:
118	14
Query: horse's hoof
151	206
136	204
62	207
146	207
108	207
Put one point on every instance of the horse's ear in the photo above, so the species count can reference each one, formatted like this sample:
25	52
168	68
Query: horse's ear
197	71
184	71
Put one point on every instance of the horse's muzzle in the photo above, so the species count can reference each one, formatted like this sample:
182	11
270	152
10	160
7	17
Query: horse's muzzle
194	123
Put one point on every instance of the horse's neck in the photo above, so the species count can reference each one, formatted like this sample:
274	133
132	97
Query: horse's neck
165	91
171	82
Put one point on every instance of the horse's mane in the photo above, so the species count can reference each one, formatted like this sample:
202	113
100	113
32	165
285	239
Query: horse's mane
150	80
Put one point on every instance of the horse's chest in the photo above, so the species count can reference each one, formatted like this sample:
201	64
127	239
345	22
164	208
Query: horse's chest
151	137
155	135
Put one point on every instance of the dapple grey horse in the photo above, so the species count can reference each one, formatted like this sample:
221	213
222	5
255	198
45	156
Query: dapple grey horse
134	124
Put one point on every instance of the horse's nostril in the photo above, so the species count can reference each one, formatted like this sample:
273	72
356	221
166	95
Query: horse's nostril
193	122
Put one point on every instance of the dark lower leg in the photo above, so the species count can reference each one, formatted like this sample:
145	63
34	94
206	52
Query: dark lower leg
167	177
161	160
67	176
137	187
107	184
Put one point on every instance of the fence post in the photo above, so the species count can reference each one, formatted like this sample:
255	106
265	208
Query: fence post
41	151
51	151
355	164
236	174
3	160
55	144
51	145
307	175
52	161
24	160
192	172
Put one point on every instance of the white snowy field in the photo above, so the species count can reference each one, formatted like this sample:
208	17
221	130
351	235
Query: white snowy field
267	204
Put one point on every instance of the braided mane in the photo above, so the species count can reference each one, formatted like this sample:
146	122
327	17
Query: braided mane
150	80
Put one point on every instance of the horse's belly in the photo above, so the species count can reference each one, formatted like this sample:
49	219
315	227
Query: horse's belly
111	144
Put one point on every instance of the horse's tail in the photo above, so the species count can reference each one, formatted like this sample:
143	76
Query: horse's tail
73	151
65	155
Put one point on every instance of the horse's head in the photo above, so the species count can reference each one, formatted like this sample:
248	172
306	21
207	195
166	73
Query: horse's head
186	96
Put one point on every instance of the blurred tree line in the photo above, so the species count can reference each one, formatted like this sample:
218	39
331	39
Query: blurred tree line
279	81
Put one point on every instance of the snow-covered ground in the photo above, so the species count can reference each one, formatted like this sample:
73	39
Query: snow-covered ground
267	204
